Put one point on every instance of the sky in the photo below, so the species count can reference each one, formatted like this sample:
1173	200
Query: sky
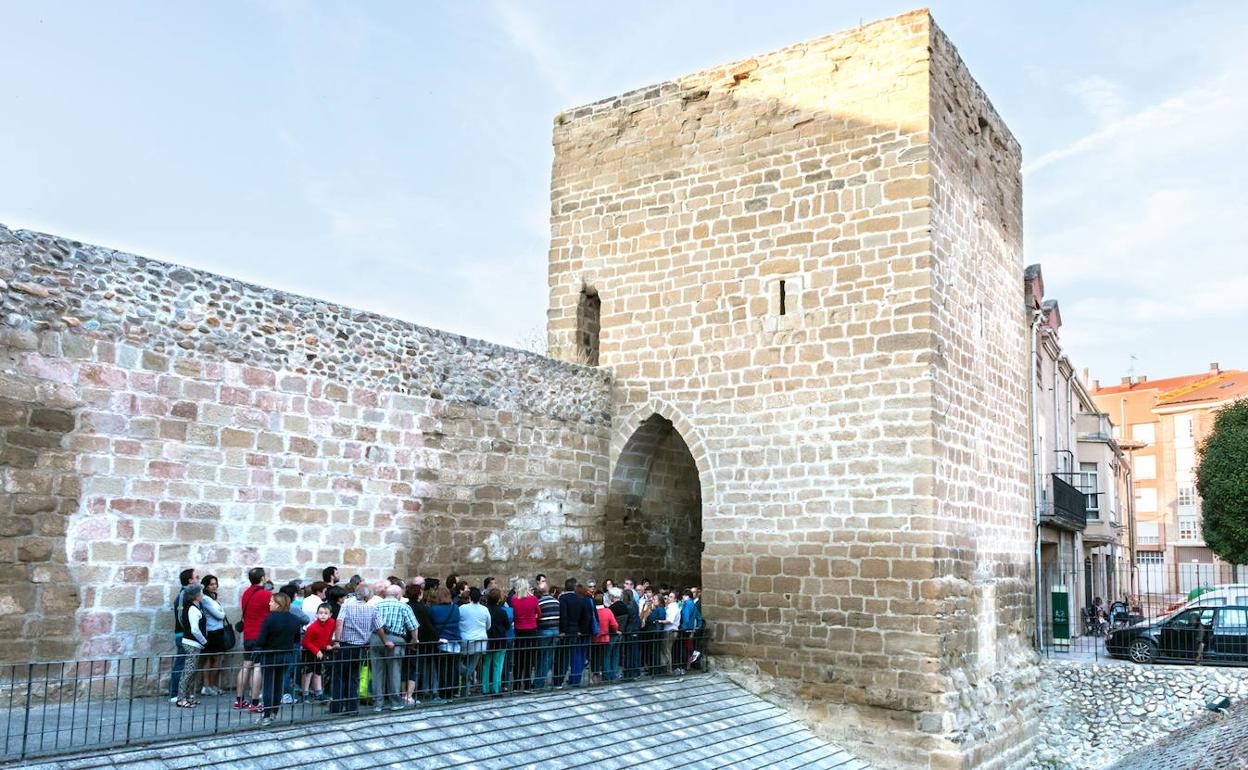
395	156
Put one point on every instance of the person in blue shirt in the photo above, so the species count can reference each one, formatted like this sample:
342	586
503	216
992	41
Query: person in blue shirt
690	624
446	621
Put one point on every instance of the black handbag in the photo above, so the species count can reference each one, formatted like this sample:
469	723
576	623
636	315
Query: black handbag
228	638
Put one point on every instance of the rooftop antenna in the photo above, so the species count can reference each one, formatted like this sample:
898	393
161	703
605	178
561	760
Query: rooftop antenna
1131	368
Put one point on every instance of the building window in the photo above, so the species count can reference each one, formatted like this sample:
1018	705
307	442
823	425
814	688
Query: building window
1148	533
1145	467
588	325
784	303
1145	500
1088	483
1187	497
1184	433
1184	460
1187	528
1145	432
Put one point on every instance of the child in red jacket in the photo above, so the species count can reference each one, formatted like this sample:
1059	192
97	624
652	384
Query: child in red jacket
318	641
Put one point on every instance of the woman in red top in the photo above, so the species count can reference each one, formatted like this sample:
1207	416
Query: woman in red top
605	654
527	611
318	640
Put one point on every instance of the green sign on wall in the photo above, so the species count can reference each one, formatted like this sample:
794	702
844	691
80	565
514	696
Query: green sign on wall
1059	599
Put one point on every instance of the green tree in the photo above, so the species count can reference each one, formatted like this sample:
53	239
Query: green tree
1222	480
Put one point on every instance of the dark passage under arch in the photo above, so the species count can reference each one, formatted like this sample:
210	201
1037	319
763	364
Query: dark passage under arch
654	508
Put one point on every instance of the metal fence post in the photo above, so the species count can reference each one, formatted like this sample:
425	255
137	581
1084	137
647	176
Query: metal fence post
130	701
30	679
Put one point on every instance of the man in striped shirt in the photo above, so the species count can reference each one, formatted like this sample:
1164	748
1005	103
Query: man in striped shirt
398	621
547	638
358	622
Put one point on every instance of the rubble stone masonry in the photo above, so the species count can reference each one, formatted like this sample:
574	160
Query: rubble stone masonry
154	417
807	263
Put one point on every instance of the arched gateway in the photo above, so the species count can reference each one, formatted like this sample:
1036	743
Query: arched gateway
654	508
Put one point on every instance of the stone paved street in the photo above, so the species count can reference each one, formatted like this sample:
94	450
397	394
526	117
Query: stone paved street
1214	742
709	723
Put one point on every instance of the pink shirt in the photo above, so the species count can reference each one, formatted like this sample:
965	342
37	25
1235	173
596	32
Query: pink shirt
527	612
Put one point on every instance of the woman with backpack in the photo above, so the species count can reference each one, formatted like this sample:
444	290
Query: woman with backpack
279	634
194	625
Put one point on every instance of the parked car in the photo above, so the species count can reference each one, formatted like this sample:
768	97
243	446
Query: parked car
1226	593
1217	634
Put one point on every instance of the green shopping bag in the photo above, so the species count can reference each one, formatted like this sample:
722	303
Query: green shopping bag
364	682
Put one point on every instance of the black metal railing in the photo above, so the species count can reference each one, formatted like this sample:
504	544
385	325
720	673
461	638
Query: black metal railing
63	706
1083	608
1069	509
1210	636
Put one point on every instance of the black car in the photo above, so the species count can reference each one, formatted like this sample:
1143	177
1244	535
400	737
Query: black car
1212	634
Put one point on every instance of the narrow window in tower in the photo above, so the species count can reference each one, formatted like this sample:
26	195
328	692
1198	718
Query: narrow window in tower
782	297
588	325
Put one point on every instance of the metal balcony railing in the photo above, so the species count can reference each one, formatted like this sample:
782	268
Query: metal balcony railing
1069	508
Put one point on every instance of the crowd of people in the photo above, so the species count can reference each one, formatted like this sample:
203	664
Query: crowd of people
393	642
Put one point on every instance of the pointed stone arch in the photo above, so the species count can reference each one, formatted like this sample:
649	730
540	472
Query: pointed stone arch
657	500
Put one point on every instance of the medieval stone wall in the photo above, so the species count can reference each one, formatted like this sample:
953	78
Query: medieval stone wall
983	518
772	280
155	417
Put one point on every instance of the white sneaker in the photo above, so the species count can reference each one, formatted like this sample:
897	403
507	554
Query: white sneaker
694	657
287	699
174	699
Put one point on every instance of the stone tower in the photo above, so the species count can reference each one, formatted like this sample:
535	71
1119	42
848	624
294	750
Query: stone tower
801	269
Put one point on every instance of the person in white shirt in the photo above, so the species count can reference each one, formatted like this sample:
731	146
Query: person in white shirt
314	599
671	625
474	622
215	631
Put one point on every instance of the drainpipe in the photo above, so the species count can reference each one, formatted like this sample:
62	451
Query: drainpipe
1032	377
1132	578
1133	570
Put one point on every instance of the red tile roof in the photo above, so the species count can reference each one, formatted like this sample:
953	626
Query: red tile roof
1170	383
1220	387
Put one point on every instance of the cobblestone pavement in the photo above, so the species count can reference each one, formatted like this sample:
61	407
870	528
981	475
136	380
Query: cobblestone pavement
1214	742
704	722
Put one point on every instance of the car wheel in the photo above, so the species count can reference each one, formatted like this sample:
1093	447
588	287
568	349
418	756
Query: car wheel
1142	651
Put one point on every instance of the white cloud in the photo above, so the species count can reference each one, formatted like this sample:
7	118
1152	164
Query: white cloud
1211	109
1138	224
1188	112
1102	97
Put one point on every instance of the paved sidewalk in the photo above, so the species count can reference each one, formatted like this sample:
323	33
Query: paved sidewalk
704	722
